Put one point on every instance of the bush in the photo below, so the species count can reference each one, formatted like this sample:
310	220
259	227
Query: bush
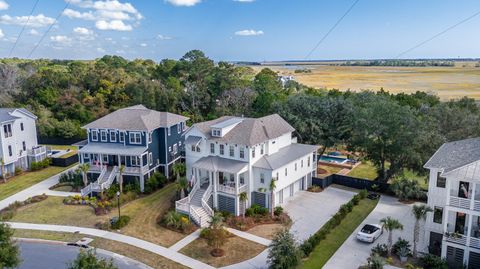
278	211
431	261
363	194
176	222
112	191
132	187
34	166
283	251
406	189
18	170
380	250
73	177
356	199
119	223
402	245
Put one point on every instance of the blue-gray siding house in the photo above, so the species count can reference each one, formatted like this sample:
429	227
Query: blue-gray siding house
140	139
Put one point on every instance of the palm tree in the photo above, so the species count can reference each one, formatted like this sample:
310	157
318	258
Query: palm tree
182	185
217	234
243	199
272	196
121	170
390	225
420	213
2	162
178	169
84	167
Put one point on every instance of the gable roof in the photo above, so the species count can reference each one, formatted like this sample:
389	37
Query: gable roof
285	156
136	118
250	131
6	114
453	155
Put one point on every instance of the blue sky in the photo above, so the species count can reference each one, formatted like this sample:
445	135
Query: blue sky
253	30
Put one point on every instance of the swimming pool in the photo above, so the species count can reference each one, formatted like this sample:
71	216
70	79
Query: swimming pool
333	159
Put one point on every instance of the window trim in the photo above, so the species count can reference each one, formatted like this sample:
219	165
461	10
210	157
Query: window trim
231	151
102	132
222	149
137	161
114	137
175	148
150	158
242	152
121	136
169	132
262	178
212	148
150	137
94	135
436	209
440	178
22	128
132	138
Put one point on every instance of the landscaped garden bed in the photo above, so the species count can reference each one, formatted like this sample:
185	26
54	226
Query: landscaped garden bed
256	215
10	211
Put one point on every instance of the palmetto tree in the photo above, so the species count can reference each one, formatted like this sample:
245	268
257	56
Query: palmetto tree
178	169
390	225
217	235
243	199
182	185
121	170
2	163
420	213
84	167
272	196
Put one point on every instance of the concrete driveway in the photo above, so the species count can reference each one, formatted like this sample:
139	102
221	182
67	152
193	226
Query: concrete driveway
353	253
309	211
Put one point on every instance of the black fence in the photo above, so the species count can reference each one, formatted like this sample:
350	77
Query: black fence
352	182
64	162
58	140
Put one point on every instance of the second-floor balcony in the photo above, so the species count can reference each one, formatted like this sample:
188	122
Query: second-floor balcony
465	195
38	150
231	188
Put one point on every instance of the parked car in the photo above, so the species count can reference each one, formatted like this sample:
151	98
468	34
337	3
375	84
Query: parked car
370	232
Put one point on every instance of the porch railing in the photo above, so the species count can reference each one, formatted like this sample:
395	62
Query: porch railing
205	198
457	239
226	189
195	216
475	242
184	204
460	202
476	205
243	188
37	150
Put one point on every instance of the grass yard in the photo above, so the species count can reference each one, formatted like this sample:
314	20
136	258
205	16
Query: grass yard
364	170
62	147
327	247
143	213
236	249
330	170
151	259
27	179
266	230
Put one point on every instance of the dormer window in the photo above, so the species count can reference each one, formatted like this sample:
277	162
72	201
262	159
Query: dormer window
94	135
103	135
216	132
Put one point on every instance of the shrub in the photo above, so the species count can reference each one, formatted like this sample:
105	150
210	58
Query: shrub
18	170
375	262
176	221
119	223
72	177
133	187
112	191
363	194
431	261
34	166
278	211
381	250
256	210
406	189
403	246
356	199
249	212
283	251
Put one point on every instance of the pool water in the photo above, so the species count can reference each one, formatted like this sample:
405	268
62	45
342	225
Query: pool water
333	159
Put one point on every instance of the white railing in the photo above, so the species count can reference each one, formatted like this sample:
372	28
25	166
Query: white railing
205	198
110	178
94	186
475	242
183	205
243	188
460	202
457	238
37	150
476	205
226	189
195	216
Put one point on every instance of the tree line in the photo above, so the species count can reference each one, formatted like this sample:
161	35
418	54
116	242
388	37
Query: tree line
394	131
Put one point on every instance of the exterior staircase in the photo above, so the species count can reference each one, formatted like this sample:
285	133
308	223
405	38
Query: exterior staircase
196	205
104	181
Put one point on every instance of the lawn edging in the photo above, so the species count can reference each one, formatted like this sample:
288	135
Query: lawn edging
321	246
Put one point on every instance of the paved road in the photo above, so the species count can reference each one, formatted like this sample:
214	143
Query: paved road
353	253
37	255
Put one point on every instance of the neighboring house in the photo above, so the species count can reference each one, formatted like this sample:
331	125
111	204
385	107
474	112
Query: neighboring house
285	79
452	230
141	139
231	155
18	140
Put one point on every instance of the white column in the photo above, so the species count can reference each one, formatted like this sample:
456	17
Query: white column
142	179
100	157
215	200
469	229
472	195
236	183
449	188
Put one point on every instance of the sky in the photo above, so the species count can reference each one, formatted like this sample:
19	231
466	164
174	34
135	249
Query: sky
238	30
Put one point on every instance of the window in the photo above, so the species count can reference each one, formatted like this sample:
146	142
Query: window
242	152
222	149
301	163
179	127
242	179
113	136
94	135
7	129
193	148
262	178
169	132
295	166
212	148
438	215
149	137
278	176
273	142
308	161
232	151
150	158
21	126
86	156
175	148
441	181
216	132
135	161
103	135
24	146
135	138
253	152
121	136
10	153
286	173
198	149
169	149
105	159
261	149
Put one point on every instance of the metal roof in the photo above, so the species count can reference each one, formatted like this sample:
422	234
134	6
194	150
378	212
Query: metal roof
227	123
215	163
193	140
453	155
285	156
112	149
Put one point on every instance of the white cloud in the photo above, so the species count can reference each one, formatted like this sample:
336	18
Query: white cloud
101	50
185	3
163	37
143	44
3	5
120	51
34	21
249	32
73	14
82	31
33	32
61	39
116	25
1	34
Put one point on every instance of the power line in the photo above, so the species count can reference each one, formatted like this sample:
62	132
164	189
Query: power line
331	29
49	28
23	29
437	35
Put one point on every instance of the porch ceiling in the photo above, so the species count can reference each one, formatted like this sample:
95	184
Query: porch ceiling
112	149
215	163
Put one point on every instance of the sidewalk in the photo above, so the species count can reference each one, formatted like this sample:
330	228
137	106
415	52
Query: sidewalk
36	189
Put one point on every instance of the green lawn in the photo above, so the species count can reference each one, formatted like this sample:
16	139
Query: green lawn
365	170
327	247
62	147
27	179
330	170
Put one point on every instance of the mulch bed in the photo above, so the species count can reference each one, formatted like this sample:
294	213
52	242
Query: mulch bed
248	223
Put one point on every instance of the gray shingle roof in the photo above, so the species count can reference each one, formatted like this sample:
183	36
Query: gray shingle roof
453	155
285	156
5	114
136	118
250	131
215	163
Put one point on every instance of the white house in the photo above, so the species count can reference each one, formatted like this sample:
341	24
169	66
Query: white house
18	139
231	155
452	230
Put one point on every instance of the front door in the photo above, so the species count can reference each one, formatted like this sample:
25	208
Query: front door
435	244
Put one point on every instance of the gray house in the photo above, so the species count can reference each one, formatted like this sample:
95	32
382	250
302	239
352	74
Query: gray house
141	139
